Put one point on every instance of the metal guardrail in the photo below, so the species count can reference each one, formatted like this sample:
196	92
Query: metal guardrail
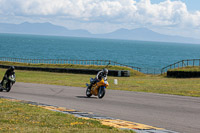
179	64
67	61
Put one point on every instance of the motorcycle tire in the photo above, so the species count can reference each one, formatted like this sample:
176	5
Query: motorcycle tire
88	93
9	87
101	93
1	87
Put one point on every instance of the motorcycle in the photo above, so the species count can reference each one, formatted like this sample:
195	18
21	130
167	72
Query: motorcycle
8	83
97	89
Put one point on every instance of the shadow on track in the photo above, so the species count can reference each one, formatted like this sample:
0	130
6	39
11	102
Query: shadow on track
85	97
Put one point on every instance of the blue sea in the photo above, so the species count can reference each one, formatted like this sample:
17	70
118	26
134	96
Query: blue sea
136	53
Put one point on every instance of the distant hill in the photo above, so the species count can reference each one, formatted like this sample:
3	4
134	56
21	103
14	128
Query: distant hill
142	34
145	34
41	29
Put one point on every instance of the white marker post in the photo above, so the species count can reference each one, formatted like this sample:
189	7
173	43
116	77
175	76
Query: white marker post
115	81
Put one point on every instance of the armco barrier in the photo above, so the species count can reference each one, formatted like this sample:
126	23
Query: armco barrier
183	74
118	73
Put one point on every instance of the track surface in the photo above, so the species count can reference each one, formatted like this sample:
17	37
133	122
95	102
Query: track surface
177	113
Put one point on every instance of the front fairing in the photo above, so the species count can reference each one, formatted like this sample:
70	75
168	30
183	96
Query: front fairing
106	84
103	83
12	78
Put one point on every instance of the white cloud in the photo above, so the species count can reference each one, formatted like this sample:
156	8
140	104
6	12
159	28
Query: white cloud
125	12
69	8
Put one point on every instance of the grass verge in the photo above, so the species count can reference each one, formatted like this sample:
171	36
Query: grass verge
145	83
21	117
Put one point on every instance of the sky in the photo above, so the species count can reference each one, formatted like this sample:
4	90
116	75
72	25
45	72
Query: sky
192	5
170	17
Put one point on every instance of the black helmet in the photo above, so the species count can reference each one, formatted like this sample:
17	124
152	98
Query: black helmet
12	68
105	71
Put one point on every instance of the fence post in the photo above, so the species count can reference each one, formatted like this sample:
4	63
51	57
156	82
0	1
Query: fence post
182	62
193	62
199	62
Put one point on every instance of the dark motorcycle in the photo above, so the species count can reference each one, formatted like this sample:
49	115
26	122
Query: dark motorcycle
8	83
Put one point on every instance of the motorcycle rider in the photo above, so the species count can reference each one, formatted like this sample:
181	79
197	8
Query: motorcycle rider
101	74
9	72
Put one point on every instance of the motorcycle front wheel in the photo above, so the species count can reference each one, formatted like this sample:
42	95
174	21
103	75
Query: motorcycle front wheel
9	85
88	93
101	93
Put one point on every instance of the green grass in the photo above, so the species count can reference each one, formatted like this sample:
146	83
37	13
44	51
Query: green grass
137	82
20	117
188	69
162	85
145	83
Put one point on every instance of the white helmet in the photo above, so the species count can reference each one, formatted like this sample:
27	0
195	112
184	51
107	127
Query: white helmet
105	71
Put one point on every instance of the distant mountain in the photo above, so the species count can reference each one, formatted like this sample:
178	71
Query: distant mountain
145	34
142	34
41	29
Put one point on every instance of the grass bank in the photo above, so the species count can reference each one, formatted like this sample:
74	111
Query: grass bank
20	117
144	83
187	69
110	67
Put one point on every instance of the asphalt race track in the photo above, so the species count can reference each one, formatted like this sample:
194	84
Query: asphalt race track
176	113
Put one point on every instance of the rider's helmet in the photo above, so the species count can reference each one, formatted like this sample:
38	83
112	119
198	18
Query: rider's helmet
105	71
12	68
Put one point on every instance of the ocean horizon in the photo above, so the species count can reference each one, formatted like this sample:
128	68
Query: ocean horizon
143	54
